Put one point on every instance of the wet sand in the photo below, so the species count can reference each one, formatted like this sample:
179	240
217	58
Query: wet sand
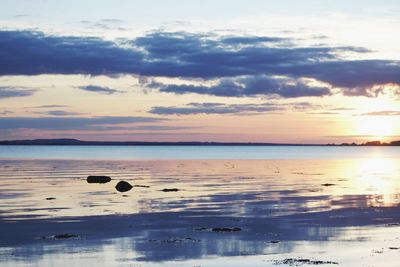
225	213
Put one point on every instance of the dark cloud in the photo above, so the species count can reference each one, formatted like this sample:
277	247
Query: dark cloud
250	86
99	89
62	113
220	108
383	113
71	123
203	56
6	92
33	53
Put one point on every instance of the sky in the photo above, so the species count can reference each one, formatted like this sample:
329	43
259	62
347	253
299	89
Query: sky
289	71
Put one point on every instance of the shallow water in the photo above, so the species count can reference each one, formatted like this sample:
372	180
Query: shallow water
196	152
345	211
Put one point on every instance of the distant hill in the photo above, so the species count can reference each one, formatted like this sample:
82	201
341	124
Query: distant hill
395	143
75	142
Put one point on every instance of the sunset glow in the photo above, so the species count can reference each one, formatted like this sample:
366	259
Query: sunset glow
319	75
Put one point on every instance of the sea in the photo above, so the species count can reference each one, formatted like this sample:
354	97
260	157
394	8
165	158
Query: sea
196	152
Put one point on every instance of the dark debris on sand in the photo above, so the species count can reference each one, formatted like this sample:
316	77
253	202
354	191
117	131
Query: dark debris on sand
170	190
300	262
328	184
219	229
139	185
226	229
50	198
94	179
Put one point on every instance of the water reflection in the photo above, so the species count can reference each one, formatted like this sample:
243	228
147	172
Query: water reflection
270	200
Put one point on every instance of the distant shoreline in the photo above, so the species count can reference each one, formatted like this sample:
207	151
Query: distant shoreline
75	142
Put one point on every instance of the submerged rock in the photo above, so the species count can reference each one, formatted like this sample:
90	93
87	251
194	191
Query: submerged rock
170	190
175	240
299	262
123	186
65	236
144	186
61	236
94	179
328	184
226	229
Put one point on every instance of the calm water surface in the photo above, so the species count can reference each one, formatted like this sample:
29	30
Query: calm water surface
333	204
196	152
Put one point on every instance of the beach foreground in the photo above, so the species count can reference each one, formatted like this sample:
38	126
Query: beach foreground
201	213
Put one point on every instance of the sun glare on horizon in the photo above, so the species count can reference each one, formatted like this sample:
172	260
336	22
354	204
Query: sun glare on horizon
377	128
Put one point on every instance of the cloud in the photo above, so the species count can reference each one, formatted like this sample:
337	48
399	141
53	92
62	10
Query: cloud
343	109
6	92
160	128
250	86
99	89
382	113
220	108
214	108
251	40
34	53
324	113
49	106
62	113
6	112
71	123
204	56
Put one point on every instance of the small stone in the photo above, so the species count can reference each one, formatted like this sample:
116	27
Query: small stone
61	236
226	229
170	190
93	179
328	184
123	186
65	236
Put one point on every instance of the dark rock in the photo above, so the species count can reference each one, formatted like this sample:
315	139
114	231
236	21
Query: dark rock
201	228
123	186
61	236
328	184
91	179
170	190
226	229
50	198
65	236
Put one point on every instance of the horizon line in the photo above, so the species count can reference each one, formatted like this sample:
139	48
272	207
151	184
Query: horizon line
72	142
